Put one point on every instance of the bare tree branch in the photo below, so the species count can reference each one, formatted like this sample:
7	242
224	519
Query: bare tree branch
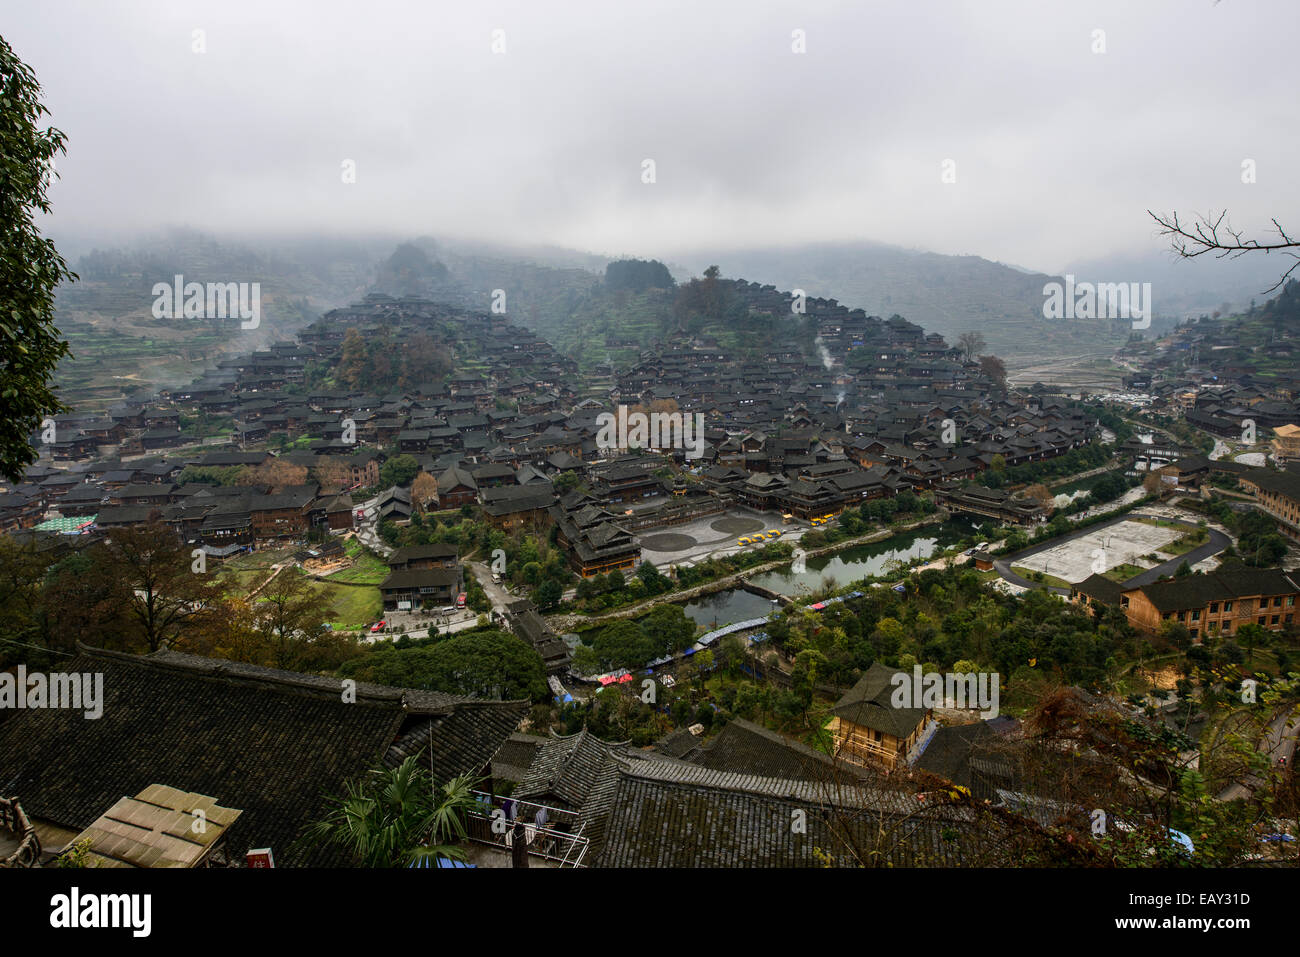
1211	234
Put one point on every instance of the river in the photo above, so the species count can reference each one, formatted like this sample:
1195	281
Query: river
842	568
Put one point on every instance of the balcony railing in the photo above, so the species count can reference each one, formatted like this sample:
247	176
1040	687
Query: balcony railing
866	753
559	840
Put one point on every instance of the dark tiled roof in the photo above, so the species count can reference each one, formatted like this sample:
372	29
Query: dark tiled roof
1195	591
867	704
746	748
1101	588
679	744
463	739
1279	483
567	768
412	553
965	754
513	759
418	577
273	743
669	814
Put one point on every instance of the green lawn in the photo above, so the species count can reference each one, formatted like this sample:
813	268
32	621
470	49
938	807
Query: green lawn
1033	576
243	573
352	607
367	570
1189	542
1122	573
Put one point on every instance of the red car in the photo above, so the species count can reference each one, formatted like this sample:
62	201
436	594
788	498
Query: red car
378	626
460	600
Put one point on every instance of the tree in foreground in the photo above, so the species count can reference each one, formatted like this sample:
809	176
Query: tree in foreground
30	267
394	816
169	598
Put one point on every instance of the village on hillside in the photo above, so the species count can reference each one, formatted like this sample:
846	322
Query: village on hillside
673	654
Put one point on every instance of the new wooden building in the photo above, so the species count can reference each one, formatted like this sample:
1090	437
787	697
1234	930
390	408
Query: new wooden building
868	729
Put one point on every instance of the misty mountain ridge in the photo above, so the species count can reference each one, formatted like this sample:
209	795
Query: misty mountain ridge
560	293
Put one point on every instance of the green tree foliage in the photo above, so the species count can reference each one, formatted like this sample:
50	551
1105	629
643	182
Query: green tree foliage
30	267
630	644
395	816
637	275
1089	456
84	596
377	363
1258	543
952	618
654	582
399	470
211	474
409	264
483	663
548	594
702	300
169	601
291	617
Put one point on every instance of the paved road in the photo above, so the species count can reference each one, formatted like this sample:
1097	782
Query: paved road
461	624
497	594
1217	543
368	529
1279	743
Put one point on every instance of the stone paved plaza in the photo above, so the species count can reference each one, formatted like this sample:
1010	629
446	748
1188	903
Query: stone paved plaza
1121	543
713	534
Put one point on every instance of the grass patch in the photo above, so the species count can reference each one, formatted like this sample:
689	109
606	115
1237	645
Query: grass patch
238	583
1159	522
1189	542
368	570
1122	573
351	607
1039	578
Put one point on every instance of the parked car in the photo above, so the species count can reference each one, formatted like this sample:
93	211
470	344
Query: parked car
378	626
460	600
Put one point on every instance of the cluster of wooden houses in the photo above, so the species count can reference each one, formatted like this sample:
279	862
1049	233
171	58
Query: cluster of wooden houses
882	408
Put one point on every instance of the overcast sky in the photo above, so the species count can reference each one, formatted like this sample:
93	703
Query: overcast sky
1058	150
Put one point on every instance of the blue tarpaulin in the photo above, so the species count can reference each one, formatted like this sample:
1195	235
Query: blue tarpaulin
441	862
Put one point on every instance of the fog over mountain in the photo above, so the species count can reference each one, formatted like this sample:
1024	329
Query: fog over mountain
1057	151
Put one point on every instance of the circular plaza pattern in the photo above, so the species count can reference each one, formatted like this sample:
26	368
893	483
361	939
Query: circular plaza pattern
668	542
736	525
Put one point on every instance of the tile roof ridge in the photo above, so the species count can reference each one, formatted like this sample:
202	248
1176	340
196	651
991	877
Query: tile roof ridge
407	698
